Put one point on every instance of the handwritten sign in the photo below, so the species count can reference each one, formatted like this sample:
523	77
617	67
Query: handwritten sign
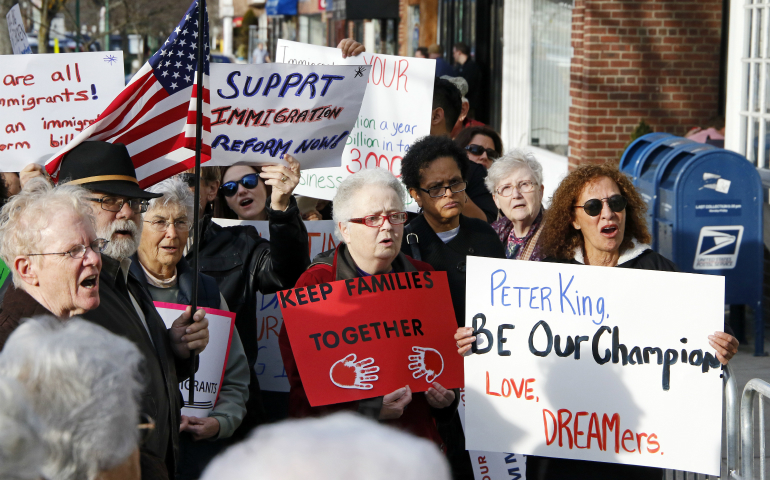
269	367
594	363
17	32
396	109
45	100
260	112
368	336
213	360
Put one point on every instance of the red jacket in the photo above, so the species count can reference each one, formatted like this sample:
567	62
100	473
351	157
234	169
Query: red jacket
418	417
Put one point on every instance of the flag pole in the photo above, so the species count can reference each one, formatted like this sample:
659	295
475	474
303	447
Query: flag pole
197	194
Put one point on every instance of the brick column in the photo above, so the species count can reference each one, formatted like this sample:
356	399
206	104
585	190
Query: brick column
651	60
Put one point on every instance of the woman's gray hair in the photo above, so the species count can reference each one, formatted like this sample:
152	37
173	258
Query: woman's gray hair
349	188
26	215
84	384
21	443
342	446
504	166
175	193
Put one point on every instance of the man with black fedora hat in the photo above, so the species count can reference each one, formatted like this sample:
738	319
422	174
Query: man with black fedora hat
126	307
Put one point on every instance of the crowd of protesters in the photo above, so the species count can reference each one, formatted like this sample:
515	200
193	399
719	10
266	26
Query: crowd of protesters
89	372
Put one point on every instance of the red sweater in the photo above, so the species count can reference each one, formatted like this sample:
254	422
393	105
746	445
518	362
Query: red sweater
417	417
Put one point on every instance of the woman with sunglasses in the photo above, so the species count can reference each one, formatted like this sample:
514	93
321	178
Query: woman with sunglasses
482	144
369	222
434	172
596	217
245	193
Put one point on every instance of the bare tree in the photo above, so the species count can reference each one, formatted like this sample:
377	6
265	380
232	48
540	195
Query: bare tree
48	10
5	39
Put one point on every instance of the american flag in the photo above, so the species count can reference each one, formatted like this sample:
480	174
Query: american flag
154	115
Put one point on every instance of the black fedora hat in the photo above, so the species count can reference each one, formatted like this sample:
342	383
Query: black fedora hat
103	167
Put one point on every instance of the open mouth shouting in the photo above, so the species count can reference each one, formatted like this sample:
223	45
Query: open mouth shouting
387	242
246	202
90	282
609	231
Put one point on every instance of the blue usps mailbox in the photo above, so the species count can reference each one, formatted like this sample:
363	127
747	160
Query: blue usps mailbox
636	151
709	221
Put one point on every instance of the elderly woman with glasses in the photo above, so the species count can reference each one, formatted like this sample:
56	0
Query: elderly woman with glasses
516	182
169	278
369	219
48	241
596	218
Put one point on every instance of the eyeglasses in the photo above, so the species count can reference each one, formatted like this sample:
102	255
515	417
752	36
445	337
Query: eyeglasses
440	191
396	218
248	181
162	225
593	207
146	428
78	250
115	204
527	186
479	150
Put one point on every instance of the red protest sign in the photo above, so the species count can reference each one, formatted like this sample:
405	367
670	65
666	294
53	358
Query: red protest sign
368	336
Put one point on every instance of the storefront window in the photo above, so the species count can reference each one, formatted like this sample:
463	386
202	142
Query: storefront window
551	54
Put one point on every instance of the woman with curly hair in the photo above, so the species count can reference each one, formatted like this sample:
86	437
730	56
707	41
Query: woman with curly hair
596	217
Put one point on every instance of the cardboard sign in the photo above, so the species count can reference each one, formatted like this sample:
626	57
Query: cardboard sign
594	363
19	41
213	360
269	367
45	100
260	112
396	109
368	336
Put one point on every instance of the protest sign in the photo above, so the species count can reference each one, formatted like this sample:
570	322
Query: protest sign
260	112
213	360
16	30
323	183
594	363
368	336
269	366
493	465
47	99
396	110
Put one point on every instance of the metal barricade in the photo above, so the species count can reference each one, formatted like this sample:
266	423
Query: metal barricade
755	389
732	422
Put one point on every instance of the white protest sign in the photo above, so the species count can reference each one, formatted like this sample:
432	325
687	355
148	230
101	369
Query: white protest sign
212	362
45	100
323	183
396	109
269	367
594	363
17	31
259	112
493	465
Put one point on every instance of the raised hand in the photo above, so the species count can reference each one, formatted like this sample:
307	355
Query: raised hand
349	373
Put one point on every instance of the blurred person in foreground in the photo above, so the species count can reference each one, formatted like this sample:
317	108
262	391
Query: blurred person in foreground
434	173
125	306
446	109
243	263
84	384
168	277
482	145
342	446
369	222
516	181
596	218
48	238
22	452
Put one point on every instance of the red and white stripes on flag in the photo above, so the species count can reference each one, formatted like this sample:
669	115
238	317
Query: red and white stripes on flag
155	114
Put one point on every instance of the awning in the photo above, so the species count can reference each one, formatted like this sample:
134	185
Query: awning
368	9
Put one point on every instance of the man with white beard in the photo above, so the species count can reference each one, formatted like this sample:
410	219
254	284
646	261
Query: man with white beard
126	307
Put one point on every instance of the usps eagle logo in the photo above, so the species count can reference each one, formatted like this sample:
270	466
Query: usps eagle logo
718	248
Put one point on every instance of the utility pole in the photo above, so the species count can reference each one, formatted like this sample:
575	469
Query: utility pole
107	25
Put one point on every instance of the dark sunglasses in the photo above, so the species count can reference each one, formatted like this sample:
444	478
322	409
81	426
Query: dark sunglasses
248	181
479	150
593	207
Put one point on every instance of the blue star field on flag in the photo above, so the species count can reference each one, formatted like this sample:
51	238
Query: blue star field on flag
175	63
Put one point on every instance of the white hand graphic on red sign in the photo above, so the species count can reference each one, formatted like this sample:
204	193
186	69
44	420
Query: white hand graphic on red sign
428	362
349	373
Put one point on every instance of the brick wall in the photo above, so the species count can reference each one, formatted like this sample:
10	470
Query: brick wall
651	60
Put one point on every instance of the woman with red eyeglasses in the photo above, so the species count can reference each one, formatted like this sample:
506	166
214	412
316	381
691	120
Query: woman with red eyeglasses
369	217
